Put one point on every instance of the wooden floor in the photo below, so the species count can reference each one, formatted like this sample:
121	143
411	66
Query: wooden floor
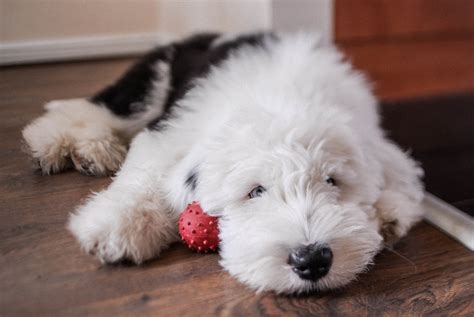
43	272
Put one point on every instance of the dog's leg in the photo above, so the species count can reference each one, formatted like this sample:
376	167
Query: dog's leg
398	206
76	133
93	134
132	219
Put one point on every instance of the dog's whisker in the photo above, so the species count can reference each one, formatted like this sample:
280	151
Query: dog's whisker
390	249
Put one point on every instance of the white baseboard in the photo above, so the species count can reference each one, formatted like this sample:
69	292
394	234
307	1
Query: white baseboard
78	47
450	220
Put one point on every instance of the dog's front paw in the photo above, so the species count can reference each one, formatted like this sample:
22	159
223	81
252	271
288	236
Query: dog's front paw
114	230
396	214
100	238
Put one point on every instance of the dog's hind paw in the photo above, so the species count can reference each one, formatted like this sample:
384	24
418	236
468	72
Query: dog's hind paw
51	157
98	157
74	133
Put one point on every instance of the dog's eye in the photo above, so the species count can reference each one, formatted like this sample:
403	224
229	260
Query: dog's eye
331	181
256	192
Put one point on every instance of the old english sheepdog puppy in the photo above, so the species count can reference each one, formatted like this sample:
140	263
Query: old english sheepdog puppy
275	134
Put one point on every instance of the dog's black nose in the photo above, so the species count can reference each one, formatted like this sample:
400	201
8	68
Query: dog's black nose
311	262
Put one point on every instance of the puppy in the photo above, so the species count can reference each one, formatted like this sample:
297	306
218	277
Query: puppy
275	134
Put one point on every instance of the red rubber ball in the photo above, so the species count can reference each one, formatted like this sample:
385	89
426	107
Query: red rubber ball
198	230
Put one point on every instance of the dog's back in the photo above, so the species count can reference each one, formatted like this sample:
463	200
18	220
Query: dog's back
92	134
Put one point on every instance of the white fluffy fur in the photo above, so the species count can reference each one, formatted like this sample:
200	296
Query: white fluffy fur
285	117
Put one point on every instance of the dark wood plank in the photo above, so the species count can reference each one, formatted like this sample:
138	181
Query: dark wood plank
385	19
408	69
43	272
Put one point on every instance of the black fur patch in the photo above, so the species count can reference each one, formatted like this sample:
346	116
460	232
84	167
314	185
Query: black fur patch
192	179
192	59
129	93
188	60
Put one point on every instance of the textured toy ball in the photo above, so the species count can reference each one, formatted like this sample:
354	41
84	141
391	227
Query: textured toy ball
198	230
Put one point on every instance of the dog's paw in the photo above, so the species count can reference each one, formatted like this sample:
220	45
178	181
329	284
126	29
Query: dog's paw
108	246
396	214
48	144
98	157
114	230
390	231
74	133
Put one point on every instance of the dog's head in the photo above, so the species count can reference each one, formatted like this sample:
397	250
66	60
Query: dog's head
295	198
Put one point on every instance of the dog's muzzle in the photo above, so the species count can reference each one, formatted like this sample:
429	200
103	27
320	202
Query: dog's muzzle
311	262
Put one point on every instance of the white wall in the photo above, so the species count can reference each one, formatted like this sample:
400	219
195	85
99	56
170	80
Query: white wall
182	17
26	20
46	30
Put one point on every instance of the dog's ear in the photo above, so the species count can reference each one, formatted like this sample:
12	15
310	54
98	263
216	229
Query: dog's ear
398	206
357	172
221	178
230	167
